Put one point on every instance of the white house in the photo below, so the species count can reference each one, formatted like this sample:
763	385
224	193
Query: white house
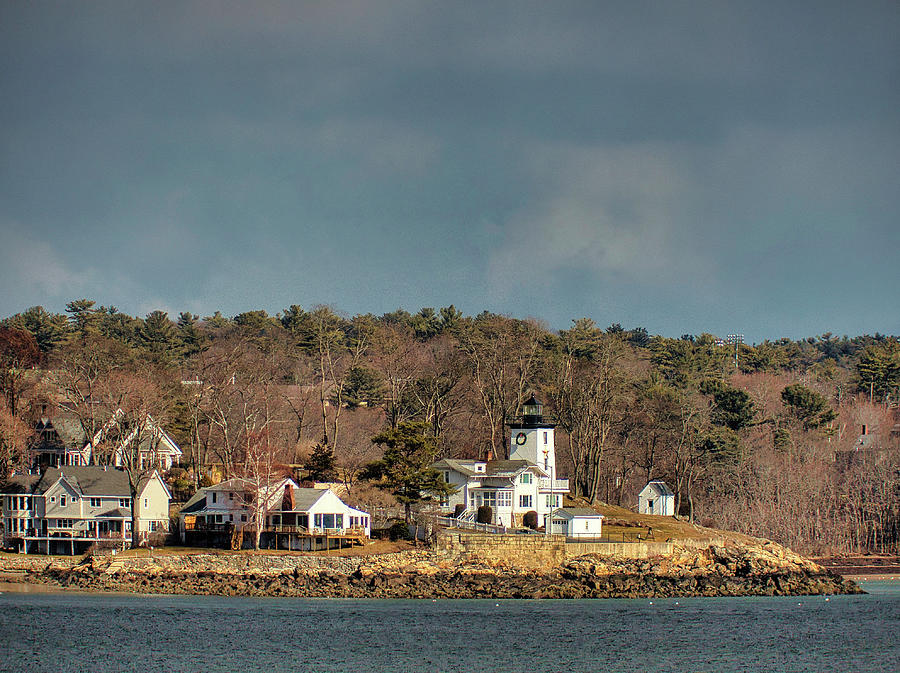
526	482
295	518
577	522
308	516
656	498
67	509
228	503
61	440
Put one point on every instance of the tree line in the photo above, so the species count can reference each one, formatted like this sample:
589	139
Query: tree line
746	435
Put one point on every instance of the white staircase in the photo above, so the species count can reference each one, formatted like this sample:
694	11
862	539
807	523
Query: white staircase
469	515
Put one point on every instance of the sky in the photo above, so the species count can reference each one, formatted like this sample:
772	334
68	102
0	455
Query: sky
688	167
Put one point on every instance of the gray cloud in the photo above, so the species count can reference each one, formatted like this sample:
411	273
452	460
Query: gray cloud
690	167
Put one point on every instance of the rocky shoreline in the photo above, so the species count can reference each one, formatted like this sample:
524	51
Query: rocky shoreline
766	570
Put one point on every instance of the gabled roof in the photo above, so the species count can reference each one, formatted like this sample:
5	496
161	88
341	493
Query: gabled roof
304	498
196	502
91	480
20	483
62	431
466	467
659	487
572	512
87	480
506	468
493	468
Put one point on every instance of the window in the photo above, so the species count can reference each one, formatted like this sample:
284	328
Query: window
332	521
504	498
53	498
525	478
125	502
546	435
447	477
96	502
213	496
487	498
552	500
524	501
62	501
64	523
218	518
243	517
146	502
231	517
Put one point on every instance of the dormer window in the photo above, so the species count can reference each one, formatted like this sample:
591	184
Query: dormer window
525	478
479	468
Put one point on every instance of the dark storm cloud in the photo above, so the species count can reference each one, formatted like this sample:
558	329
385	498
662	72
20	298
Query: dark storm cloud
690	167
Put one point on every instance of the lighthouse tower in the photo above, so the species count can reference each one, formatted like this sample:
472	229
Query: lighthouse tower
531	438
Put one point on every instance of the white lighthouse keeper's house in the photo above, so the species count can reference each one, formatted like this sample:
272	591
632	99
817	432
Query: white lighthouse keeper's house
526	482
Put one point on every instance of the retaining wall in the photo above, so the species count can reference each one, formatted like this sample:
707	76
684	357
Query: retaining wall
538	551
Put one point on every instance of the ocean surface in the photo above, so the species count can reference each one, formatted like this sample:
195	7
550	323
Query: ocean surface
68	632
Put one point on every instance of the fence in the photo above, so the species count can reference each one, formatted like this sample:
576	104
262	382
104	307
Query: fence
450	522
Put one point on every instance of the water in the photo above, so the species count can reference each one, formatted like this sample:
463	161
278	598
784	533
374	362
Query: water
102	633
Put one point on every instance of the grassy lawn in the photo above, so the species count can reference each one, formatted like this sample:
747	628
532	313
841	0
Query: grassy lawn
621	522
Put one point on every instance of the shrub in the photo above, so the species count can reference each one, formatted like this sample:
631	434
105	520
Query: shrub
485	514
399	531
530	519
459	509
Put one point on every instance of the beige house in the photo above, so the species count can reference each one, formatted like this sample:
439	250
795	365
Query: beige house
68	509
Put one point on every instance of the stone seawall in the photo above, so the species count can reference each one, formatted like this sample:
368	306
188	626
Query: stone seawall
537	551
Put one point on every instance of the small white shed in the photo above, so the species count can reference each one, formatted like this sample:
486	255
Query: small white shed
577	522
656	498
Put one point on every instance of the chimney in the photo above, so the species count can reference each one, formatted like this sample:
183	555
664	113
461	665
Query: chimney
287	502
490	455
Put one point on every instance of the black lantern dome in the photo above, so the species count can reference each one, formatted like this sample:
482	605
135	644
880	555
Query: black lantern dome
532	410
532	416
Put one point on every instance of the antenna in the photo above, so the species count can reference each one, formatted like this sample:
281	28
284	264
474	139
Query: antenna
736	340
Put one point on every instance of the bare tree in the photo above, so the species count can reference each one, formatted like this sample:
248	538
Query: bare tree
261	472
137	403
80	372
395	354
588	396
502	355
19	353
14	434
